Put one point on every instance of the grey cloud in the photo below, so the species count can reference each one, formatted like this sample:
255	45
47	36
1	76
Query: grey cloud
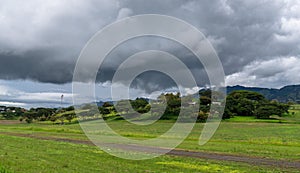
37	65
152	81
43	45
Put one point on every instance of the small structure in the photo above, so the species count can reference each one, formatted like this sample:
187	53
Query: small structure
216	103
192	103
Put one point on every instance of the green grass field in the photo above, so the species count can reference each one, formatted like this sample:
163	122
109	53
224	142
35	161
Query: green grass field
239	136
31	155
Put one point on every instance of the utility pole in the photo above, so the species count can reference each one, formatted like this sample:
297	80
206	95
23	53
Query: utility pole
61	100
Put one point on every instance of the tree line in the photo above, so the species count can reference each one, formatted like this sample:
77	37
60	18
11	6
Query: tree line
238	103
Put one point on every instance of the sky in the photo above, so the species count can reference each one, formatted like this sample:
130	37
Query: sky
257	42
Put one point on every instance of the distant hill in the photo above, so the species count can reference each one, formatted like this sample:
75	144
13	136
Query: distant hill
100	103
284	94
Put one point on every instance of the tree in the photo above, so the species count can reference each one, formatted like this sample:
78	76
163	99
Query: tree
140	105
248	103
53	118
70	116
107	104
29	116
104	110
204	100
273	108
173	106
70	108
242	103
205	92
202	116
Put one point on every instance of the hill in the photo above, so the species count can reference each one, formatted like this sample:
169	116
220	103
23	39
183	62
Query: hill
284	94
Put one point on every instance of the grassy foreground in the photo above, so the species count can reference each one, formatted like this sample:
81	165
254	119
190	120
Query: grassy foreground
271	140
20	154
276	138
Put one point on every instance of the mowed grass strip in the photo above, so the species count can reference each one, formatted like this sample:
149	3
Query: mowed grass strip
20	154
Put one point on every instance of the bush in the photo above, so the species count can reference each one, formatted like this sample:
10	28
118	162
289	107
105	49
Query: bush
202	117
70	108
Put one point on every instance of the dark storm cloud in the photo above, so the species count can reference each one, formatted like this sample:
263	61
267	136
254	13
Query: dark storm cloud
41	41
36	65
151	81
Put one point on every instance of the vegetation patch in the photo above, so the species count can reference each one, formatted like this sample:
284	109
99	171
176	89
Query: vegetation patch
208	167
3	170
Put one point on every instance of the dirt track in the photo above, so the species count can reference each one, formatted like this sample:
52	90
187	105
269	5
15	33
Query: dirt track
10	122
182	153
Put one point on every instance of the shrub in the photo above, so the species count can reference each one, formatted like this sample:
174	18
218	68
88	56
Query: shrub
202	117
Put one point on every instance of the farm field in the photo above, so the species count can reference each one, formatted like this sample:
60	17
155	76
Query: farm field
35	148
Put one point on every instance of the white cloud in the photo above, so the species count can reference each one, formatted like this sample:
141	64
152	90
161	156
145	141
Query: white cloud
11	96
4	103
290	28
191	90
271	73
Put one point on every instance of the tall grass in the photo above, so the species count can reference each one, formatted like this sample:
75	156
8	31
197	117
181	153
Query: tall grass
3	170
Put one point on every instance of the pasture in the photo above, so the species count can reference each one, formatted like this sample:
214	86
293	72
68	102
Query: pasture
48	147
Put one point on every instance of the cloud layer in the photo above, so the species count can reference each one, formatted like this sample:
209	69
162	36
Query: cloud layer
257	42
29	94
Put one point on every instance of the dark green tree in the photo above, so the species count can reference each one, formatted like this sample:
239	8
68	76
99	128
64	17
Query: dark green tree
243	103
266	110
248	103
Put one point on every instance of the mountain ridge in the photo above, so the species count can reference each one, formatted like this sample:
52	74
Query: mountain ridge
284	94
